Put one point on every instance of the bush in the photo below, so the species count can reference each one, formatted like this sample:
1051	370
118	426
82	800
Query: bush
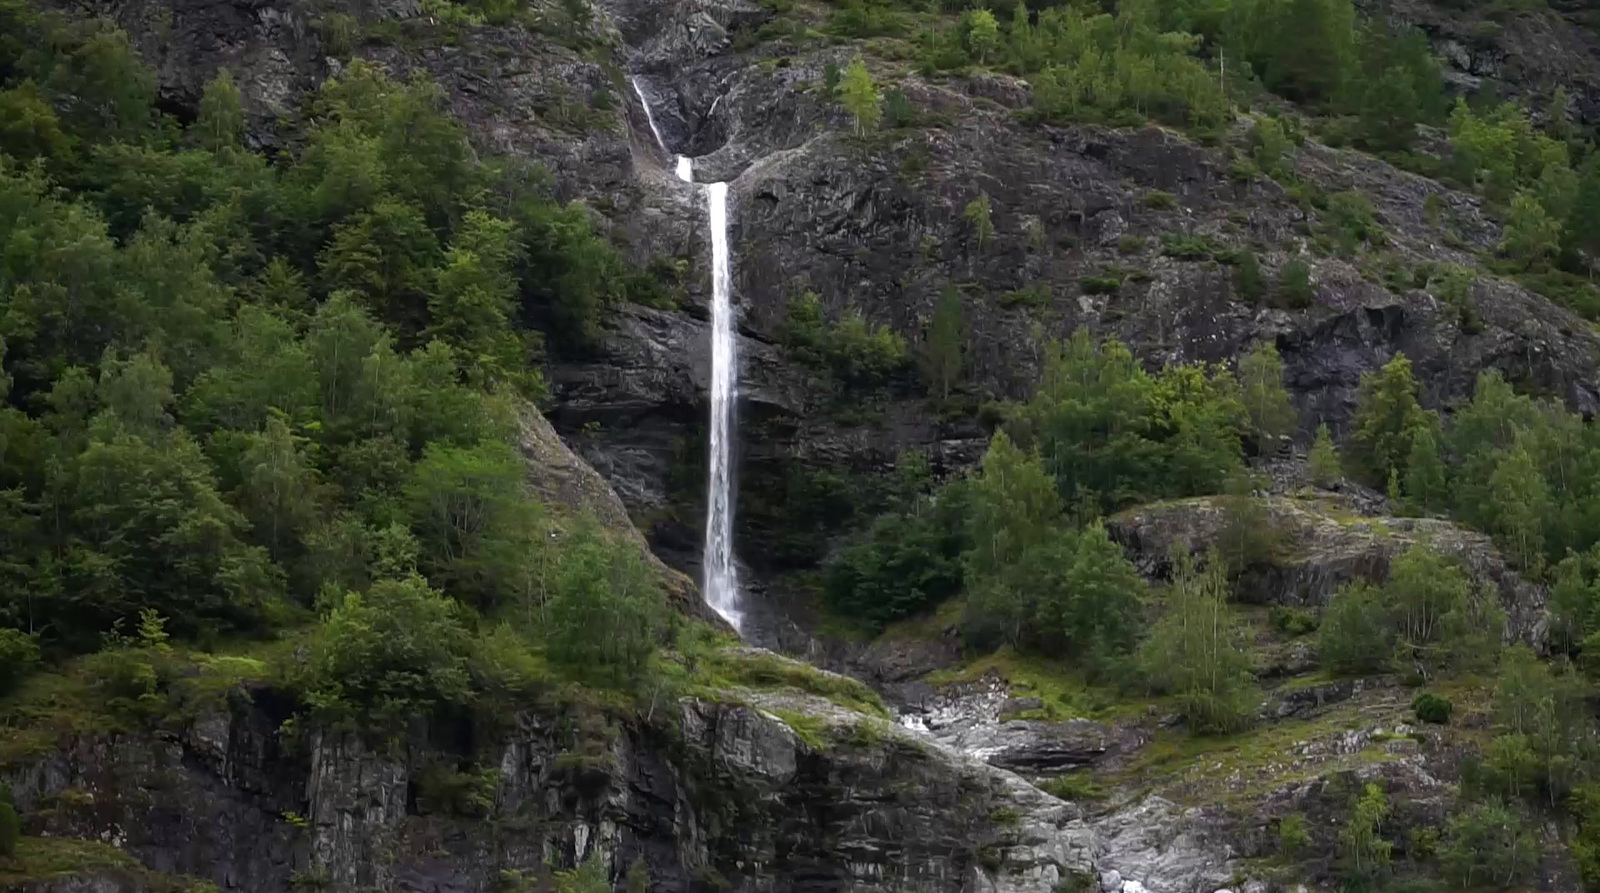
1432	708
1100	285
1293	838
448	790
1294	285
1251	284
1188	246
1158	200
1292	621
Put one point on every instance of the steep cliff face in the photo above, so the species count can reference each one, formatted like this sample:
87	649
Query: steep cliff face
707	795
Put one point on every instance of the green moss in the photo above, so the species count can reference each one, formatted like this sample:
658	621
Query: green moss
54	858
766	672
811	730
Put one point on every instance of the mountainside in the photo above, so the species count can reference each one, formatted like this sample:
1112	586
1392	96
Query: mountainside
1054	579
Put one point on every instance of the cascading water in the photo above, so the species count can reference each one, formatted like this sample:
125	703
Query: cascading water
722	574
721	585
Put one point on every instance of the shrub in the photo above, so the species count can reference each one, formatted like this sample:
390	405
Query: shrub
1132	244
1188	246
1158	200
1294	285
1293	838
446	789
1432	708
1252	286
1292	621
1100	285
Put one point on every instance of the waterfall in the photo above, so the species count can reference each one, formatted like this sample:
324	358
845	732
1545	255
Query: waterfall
721	584
650	119
721	574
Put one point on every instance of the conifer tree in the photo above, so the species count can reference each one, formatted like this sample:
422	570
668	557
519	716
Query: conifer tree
1324	459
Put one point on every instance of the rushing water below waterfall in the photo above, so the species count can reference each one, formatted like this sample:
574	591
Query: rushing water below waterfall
721	583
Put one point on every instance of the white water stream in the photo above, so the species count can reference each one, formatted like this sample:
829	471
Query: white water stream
721	583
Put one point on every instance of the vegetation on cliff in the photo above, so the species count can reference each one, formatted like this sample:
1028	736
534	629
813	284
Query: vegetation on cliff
245	397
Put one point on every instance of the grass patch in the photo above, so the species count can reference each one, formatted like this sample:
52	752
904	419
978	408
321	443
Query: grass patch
1232	769
1066	693
55	858
765	672
1074	787
811	730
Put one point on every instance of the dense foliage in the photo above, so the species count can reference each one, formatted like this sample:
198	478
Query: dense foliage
239	391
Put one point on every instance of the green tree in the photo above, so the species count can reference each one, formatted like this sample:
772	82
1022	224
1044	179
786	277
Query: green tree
978	218
279	489
910	561
605	612
479	532
153	532
943	345
220	123
1195	650
1521	501
1251	284
391	653
1425	486
1387	417
1270	145
1265	399
1423	587
1248	535
1544	710
860	95
1487	843
1581	230
1354	639
1532	234
1088	596
1365	853
1294	284
983	34
29	127
1326	469
1013	507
